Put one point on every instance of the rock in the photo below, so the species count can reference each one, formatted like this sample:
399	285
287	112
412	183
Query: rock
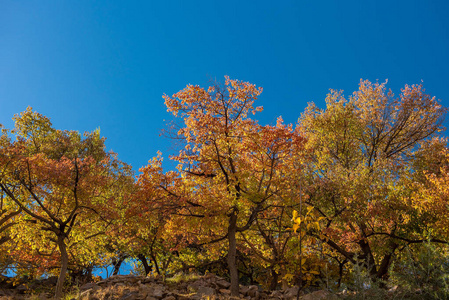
158	291
126	287
181	286
210	276
291	293
223	284
205	291
130	296
276	295
168	294
319	295
253	290
148	280
225	291
88	286
197	283
146	289
244	289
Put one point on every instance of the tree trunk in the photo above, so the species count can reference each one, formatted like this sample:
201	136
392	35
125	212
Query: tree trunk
274	279
118	263
232	262
145	264
386	262
155	263
340	272
64	264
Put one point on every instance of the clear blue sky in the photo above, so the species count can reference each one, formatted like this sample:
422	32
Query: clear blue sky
89	64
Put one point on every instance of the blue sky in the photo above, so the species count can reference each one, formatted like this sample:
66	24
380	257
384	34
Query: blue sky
89	64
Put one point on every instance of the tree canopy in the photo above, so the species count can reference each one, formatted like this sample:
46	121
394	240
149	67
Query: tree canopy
352	184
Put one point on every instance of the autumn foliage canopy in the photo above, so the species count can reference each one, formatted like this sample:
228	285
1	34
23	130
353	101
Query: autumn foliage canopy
357	183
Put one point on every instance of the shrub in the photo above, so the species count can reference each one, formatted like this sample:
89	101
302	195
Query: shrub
423	272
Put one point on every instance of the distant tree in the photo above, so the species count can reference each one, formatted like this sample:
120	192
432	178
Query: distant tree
141	232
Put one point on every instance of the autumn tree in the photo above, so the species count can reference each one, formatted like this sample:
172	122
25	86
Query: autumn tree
362	171
9	212
431	191
228	168
141	233
66	186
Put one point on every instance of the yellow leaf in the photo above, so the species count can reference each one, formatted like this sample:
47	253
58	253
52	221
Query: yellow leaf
288	277
295	214
309	209
295	227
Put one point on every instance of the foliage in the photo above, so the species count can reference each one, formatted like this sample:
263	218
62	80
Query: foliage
423	271
361	176
345	198
181	277
68	189
228	168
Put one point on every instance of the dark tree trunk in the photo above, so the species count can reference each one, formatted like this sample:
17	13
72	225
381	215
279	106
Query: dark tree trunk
118	263
153	258
232	252
64	263
386	262
274	279
370	264
340	272
145	264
